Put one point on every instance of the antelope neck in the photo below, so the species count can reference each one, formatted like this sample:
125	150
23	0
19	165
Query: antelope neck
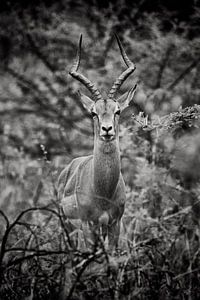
106	167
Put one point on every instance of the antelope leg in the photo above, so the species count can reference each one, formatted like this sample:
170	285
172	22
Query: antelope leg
70	207
113	235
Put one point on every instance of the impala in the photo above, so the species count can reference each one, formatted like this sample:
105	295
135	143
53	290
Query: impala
91	188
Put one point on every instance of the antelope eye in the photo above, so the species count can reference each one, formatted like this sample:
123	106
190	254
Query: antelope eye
117	112
93	114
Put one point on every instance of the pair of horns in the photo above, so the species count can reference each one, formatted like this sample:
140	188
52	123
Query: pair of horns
90	86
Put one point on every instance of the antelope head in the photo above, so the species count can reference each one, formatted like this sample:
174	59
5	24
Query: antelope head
105	112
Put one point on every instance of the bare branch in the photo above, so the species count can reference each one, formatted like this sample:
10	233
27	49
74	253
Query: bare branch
34	46
5	218
89	260
183	74
9	228
163	65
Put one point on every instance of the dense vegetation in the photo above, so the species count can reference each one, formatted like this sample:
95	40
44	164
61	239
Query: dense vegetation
43	126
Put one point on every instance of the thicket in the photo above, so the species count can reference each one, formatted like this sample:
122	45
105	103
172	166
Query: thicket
43	126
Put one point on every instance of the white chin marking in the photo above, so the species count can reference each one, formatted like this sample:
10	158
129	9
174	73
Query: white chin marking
107	138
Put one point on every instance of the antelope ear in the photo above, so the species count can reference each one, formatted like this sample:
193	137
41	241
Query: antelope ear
86	101
126	98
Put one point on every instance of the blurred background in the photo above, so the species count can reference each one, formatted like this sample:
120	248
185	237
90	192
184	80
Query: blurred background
41	116
43	125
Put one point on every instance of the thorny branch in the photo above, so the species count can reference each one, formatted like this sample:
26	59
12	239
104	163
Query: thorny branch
9	227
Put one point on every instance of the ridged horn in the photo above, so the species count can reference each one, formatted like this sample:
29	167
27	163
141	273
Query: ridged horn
85	81
131	68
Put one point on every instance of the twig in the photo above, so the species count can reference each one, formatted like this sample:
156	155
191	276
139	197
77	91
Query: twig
183	74
90	259
5	218
11	226
162	66
35	48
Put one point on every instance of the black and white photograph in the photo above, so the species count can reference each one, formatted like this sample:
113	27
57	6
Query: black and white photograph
99	150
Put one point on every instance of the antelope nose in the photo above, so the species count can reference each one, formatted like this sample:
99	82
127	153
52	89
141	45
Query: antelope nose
106	128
